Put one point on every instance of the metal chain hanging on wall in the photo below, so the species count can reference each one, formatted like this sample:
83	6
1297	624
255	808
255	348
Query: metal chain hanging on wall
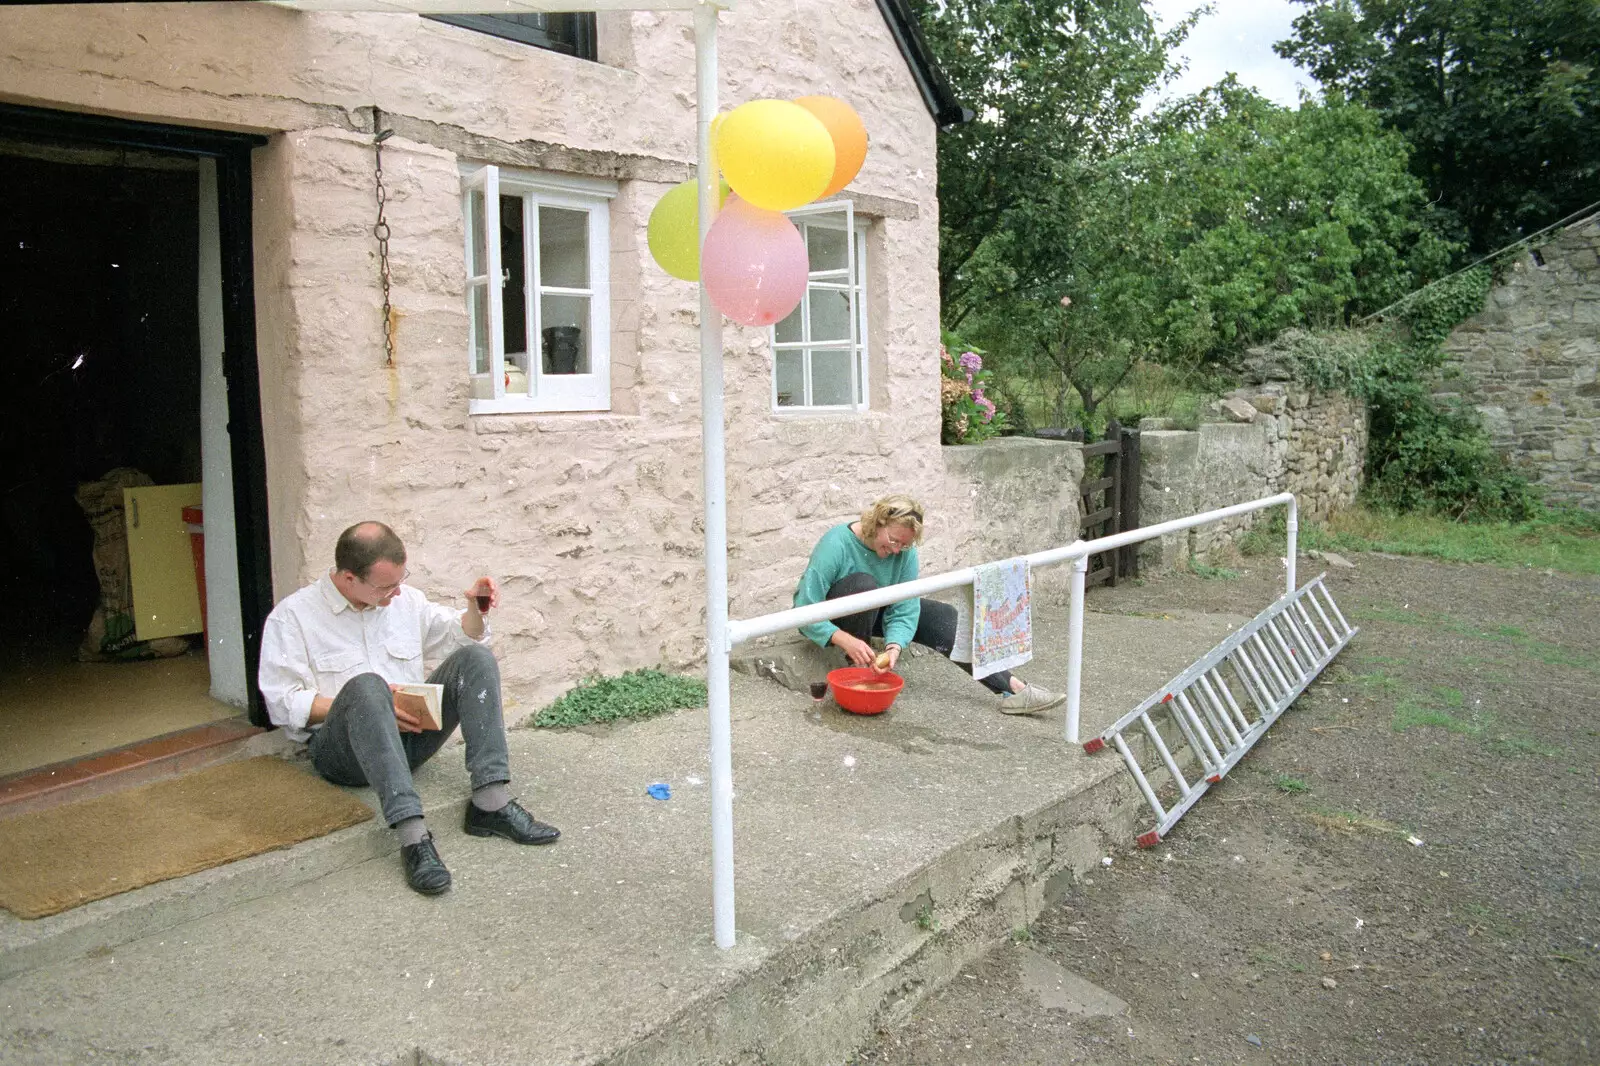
380	230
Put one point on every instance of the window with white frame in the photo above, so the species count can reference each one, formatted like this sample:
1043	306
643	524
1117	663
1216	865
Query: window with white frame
819	352
538	291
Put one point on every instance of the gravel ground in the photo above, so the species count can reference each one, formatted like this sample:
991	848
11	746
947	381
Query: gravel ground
1403	871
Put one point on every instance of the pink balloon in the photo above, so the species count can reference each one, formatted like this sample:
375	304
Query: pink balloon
753	264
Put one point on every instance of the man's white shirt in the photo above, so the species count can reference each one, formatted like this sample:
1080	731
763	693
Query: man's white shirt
315	642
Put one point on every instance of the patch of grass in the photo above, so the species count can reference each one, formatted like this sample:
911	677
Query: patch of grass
1410	712
634	695
1292	786
1377	682
1556	540
1209	572
1519	744
1021	935
1543	651
926	920
1565	540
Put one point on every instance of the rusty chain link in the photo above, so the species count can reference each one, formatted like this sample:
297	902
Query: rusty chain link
380	230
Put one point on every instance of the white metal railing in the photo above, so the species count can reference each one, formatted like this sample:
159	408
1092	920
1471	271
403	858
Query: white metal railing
737	631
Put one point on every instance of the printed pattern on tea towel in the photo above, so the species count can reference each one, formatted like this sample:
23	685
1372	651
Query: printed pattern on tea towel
1002	617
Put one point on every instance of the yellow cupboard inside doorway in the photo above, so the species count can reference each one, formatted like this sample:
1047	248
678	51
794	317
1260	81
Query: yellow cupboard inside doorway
161	565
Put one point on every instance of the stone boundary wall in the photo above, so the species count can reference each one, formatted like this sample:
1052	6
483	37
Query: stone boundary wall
1280	437
1528	363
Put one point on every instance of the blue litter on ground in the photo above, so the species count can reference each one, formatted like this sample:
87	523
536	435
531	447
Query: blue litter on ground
660	791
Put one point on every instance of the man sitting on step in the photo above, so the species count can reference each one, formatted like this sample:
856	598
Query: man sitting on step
333	655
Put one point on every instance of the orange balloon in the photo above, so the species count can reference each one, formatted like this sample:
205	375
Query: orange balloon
849	137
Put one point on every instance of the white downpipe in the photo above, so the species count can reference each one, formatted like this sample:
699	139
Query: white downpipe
1080	574
1293	526
714	448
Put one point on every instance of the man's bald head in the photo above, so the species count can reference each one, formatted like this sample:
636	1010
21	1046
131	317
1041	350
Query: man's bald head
364	544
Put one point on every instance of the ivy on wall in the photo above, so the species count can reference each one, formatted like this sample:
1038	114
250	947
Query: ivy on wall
1423	454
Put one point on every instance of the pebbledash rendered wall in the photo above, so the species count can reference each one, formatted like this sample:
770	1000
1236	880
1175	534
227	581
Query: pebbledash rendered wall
592	522
1528	362
1276	437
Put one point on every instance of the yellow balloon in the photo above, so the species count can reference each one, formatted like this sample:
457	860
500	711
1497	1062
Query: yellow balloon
674	230
775	154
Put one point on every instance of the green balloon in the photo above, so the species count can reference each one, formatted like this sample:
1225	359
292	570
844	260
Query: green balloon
674	231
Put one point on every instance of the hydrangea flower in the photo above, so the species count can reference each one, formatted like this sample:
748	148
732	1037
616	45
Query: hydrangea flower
971	362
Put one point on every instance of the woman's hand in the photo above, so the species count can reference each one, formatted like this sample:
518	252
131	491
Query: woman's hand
888	660
858	651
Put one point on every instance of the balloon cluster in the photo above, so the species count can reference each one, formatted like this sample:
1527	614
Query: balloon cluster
775	156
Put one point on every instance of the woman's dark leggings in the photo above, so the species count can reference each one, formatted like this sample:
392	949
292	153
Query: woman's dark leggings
936	629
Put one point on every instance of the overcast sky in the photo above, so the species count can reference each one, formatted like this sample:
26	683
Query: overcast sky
1237	37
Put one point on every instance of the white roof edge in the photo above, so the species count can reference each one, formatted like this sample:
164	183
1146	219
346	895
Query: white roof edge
498	7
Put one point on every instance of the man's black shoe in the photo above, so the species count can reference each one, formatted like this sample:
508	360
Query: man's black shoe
511	822
425	871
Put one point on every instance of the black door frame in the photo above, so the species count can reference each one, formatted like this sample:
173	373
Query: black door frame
239	362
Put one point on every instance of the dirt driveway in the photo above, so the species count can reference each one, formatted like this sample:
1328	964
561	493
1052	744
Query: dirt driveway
1406	870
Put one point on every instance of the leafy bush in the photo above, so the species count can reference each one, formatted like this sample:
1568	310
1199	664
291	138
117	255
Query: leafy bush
968	414
633	695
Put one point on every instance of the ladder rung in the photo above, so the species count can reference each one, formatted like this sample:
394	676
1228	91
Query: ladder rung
1166	755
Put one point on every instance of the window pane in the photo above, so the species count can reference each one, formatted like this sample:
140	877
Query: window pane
480	329
826	248
830	315
791	390
830	377
565	328
573	34
477	255
514	293
563	248
789	329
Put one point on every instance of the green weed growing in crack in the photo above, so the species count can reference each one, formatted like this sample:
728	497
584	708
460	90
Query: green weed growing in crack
1208	572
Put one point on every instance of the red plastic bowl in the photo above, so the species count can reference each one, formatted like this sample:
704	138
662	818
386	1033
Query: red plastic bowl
879	691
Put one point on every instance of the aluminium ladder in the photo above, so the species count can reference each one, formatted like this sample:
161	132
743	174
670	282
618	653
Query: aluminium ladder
1262	666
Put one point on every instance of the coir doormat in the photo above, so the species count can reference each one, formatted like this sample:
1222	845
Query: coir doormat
65	856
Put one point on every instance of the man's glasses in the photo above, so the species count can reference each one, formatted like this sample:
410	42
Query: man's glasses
384	590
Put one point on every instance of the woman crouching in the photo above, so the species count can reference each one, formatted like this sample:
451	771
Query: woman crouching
877	550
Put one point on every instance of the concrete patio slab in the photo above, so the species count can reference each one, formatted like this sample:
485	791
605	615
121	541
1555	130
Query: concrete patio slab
874	856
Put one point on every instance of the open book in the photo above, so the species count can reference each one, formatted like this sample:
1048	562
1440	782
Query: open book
422	701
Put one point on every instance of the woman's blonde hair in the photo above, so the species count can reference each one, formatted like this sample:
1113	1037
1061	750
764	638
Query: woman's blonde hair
897	509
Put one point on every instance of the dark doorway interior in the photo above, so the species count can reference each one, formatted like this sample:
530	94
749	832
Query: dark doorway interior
101	366
100	370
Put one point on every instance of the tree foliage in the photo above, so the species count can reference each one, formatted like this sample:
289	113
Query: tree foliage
1223	220
1052	83
1499	99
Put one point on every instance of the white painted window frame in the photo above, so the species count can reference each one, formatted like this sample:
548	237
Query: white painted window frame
838	215
547	392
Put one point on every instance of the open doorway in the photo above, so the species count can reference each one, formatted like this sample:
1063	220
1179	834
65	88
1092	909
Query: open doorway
113	309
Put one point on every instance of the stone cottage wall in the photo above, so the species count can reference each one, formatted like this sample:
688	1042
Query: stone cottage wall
1528	363
1279	438
592	522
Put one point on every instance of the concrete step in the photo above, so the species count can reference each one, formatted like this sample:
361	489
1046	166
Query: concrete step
133	764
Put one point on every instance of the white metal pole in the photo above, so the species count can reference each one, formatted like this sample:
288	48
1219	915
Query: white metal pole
1080	574
715	477
1293	525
